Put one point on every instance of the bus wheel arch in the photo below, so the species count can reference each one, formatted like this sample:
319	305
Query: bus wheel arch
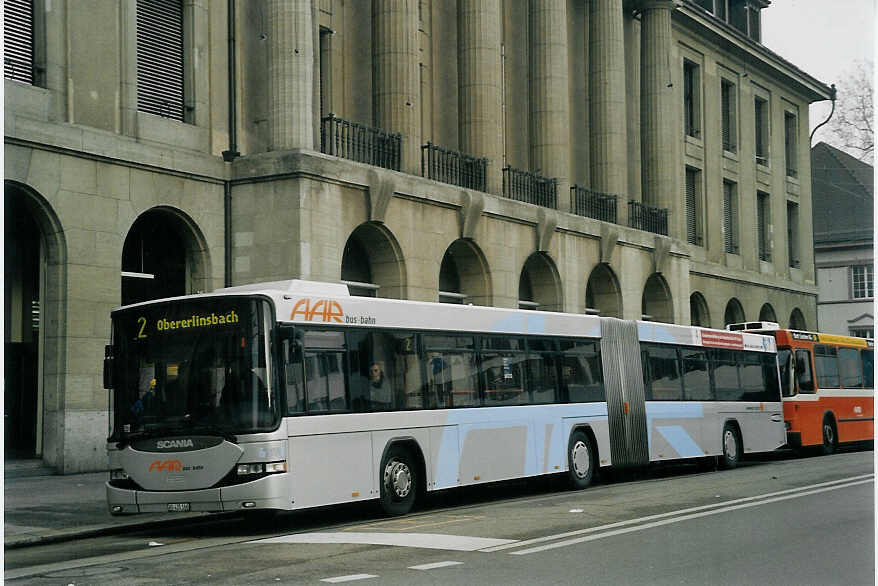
829	433
401	476
732	445
582	457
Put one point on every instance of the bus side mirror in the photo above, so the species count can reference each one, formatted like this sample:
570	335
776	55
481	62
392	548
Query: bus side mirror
108	367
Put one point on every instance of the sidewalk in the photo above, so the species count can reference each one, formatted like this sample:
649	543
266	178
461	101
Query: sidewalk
41	506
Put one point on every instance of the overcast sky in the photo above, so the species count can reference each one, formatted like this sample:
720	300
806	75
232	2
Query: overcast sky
822	37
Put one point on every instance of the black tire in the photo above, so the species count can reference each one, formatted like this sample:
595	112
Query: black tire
731	447
580	460
399	481
830	436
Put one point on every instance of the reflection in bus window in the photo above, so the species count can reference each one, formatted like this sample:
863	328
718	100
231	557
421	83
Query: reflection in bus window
724	367
664	374
849	368
826	361
451	371
503	377
582	377
696	378
784	360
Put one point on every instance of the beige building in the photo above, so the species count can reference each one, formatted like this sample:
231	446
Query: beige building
641	159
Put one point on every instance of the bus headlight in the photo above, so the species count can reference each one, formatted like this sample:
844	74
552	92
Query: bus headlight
267	468
118	474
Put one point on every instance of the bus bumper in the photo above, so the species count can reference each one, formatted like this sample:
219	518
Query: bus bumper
794	439
270	492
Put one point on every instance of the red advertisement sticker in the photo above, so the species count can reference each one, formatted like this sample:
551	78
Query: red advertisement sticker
716	339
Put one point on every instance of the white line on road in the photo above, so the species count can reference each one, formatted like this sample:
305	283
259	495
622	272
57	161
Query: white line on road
435	565
350	578
517	544
423	540
682	518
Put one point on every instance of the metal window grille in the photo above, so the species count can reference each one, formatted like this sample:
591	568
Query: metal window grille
790	146
361	143
593	204
727	107
762	219
647	218
530	187
862	281
453	167
730	218
160	58
693	235
18	42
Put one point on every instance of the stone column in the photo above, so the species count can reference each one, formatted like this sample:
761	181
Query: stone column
658	111
549	105
396	85
290	74
606	59
480	82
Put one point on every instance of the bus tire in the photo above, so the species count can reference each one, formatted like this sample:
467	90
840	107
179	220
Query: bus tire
830	435
580	460
731	447
399	481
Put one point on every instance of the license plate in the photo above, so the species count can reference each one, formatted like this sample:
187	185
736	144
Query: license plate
178	507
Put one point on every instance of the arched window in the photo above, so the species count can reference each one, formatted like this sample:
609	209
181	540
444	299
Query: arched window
657	303
602	294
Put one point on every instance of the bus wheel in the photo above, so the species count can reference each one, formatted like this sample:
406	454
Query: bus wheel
731	447
399	481
580	460
830	437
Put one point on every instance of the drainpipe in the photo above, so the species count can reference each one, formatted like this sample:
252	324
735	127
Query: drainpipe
831	112
231	154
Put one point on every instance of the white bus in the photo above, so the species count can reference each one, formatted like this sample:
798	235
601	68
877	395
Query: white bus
294	394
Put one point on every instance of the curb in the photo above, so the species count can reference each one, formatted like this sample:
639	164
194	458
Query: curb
61	536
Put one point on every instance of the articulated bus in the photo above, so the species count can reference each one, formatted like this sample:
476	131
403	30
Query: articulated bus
827	384
295	394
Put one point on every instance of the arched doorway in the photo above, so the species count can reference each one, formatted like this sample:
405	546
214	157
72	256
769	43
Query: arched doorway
657	303
766	313
699	315
734	313
602	295
372	264
163	256
797	320
539	286
23	261
464	275
35	261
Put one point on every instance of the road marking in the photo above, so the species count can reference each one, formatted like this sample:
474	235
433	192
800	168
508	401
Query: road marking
421	540
350	578
415	522
516	544
435	565
683	518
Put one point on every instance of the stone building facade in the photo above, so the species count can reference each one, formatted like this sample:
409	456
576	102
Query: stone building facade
640	159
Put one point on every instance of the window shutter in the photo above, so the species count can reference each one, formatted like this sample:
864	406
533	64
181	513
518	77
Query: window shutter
730	219
160	57
760	138
18	43
762	226
691	208
726	117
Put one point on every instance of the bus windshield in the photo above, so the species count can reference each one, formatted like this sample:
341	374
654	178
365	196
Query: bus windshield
193	367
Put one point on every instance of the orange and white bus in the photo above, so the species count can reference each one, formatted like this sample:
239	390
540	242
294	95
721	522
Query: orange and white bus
827	384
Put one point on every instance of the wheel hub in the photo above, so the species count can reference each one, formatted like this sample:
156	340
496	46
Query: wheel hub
731	446
398	479
581	459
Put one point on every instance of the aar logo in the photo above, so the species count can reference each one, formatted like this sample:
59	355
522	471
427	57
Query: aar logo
166	466
324	310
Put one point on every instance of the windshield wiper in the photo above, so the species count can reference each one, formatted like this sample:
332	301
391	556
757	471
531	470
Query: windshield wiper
147	434
212	429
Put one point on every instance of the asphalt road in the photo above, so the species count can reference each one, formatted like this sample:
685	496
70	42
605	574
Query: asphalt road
774	520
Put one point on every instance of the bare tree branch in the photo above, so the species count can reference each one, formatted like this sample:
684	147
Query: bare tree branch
852	123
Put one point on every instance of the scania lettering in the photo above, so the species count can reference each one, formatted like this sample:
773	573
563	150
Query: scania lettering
310	397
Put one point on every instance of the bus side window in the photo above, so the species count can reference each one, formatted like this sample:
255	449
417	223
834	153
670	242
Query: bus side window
826	361
849	368
868	358
804	380
785	362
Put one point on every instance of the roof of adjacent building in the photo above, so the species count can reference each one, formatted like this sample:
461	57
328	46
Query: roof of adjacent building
842	196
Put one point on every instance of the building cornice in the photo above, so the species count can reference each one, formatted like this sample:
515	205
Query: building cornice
759	56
